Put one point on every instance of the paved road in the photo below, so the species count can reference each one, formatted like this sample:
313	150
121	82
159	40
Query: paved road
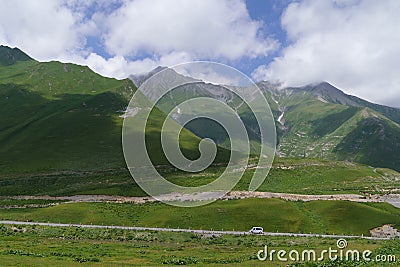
208	232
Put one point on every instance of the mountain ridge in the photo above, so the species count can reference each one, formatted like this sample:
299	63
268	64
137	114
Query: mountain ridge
321	122
314	121
332	94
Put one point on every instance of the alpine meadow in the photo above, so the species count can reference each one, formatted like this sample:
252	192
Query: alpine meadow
313	86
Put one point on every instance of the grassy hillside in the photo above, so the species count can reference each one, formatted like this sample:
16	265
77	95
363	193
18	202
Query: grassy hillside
314	176
322	122
57	117
375	141
60	133
274	215
303	176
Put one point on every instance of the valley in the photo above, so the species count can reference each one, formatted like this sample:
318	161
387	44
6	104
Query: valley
61	161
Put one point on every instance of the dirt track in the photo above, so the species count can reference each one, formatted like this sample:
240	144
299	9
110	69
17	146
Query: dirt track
393	199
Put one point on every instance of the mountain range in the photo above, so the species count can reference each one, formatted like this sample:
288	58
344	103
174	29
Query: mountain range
317	120
323	122
64	117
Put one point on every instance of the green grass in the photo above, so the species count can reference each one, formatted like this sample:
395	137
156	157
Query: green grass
61	246
275	215
334	131
374	141
313	176
331	122
337	215
57	118
303	176
60	134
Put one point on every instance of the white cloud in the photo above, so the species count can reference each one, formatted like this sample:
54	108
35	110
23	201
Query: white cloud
214	73
203	29
352	44
118	67
43	28
138	34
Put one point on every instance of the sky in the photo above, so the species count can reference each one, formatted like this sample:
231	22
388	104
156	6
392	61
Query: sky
352	44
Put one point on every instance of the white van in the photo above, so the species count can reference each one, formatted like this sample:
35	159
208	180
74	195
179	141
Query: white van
256	230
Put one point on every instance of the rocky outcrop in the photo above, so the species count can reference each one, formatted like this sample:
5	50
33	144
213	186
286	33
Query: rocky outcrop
385	231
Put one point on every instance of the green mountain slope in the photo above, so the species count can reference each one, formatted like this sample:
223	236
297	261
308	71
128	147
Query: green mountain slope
64	117
60	129
331	94
317	120
58	116
9	56
321	121
374	140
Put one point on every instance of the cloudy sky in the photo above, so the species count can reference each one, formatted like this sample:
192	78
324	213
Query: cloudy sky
353	44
